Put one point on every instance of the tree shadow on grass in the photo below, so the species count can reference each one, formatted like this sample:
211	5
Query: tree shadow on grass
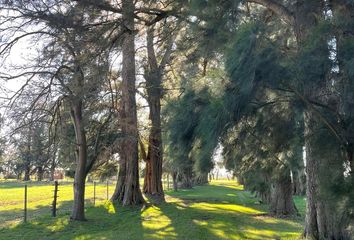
213	213
190	218
103	222
12	216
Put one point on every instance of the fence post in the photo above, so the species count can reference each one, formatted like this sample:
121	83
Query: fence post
54	204
107	189
94	193
25	205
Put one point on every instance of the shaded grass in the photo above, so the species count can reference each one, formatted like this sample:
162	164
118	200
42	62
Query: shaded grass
221	210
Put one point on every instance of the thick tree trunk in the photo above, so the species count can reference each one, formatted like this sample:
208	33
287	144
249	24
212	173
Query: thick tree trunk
119	190
153	75
131	194
153	172
325	218
282	203
78	210
322	220
266	197
299	183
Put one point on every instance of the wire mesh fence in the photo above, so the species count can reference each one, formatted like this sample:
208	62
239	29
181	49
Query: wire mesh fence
21	201
26	201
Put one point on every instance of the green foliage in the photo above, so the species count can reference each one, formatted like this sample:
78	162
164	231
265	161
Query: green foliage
216	30
183	117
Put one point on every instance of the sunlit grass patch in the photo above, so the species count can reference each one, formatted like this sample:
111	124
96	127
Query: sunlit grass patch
221	210
231	208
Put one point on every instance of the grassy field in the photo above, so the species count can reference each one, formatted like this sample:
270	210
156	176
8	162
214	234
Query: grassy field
40	197
221	210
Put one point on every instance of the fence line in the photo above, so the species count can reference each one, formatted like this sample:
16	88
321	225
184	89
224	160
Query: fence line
22	202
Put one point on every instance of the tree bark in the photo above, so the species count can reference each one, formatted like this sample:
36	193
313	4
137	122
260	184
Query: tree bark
40	173
201	179
119	190
27	173
282	203
78	211
187	178
52	170
153	76
305	21
131	194
299	182
28	156
175	183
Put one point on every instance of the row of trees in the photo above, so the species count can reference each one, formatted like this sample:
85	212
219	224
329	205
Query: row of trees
287	95
268	80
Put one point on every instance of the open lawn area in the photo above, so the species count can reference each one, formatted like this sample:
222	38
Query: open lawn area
220	210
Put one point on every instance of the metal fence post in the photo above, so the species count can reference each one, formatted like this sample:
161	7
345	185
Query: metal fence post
107	189
25	205
54	204
94	193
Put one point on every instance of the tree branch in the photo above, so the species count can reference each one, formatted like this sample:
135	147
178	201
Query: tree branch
277	8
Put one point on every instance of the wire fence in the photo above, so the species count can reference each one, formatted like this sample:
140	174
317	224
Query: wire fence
21	202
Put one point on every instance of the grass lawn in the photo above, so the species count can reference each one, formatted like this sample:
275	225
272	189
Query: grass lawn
220	210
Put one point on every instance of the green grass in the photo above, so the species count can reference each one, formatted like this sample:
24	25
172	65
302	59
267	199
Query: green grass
221	210
40	197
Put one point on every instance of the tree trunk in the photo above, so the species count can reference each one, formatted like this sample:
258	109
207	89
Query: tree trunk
40	173
299	183
201	179
131	194
311	224
325	216
153	173
187	178
153	75
174	179
119	190
28	156
27	173
78	211
147	177
266	197
282	203
320	216
52	170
